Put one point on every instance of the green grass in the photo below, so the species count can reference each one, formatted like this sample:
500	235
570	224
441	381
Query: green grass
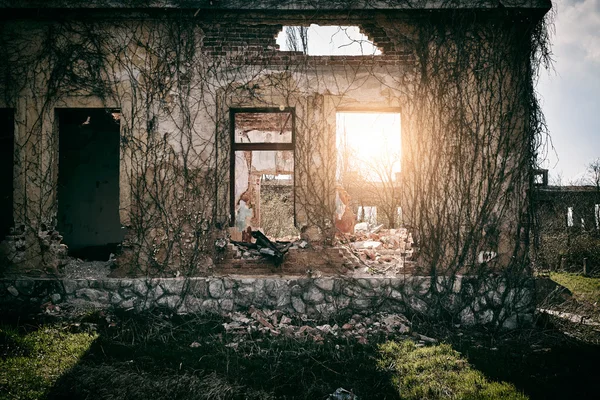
149	356
32	362
438	372
583	288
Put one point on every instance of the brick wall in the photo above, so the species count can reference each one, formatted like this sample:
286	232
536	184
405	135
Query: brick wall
250	42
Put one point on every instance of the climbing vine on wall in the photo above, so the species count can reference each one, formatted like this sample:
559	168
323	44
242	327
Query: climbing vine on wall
463	79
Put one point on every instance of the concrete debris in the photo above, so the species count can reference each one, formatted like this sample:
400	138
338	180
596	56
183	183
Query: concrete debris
359	328
383	251
342	394
311	234
377	228
369	244
361	227
30	249
221	244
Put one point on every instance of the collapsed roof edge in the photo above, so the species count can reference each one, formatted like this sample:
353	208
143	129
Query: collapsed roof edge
278	5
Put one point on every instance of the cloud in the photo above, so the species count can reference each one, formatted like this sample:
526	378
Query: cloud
577	32
571	98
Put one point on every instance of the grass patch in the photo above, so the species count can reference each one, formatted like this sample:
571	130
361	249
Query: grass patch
583	288
33	361
438	372
192	357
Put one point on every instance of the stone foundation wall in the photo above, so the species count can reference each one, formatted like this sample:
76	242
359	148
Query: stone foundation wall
468	303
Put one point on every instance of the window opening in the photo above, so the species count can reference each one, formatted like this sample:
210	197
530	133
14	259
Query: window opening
569	216
262	171
368	214
316	40
369	163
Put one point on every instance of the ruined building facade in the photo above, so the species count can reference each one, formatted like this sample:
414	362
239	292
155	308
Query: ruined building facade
152	129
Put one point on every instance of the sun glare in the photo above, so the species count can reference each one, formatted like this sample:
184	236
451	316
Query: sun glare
368	145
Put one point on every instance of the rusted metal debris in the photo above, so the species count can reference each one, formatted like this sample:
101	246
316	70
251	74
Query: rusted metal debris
263	245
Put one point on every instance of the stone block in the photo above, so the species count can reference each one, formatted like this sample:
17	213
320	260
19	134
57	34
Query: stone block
173	286
341	302
512	322
115	298
13	291
418	305
127	293
228	283
25	286
325	284
197	287
467	317
296	290
92	295
298	305
155	293
210	305
325	310
226	305
283	300
125	283
140	287
313	295
171	302
70	285
485	317
361	304
192	304
110	284
216	288
128	304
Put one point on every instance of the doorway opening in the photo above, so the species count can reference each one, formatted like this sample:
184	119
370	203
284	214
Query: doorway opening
88	182
7	149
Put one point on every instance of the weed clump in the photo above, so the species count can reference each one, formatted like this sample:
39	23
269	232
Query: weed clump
438	372
31	363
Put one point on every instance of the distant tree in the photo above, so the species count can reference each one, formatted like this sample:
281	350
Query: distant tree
297	38
593	173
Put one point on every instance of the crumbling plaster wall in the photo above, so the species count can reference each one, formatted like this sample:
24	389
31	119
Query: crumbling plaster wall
238	65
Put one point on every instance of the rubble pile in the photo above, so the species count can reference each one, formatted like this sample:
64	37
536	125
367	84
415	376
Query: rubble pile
358	327
382	250
255	245
30	249
370	250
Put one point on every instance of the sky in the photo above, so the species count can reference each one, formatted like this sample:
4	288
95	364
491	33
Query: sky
570	94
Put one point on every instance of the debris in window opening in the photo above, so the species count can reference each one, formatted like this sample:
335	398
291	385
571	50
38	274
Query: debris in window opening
263	246
381	251
221	244
374	251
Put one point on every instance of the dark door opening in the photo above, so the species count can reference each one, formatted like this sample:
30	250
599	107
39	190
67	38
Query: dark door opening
7	148
88	182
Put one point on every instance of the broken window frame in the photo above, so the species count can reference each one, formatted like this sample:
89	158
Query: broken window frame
258	146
